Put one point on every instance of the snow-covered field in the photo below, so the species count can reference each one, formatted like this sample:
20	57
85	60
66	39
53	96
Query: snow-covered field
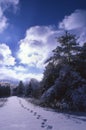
17	114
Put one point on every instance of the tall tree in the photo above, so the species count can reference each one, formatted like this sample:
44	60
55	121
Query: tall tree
20	88
66	50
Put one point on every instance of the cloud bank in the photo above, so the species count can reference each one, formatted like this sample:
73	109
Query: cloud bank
75	22
9	73
9	68
6	58
37	45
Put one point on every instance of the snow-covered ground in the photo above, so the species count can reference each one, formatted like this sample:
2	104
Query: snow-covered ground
17	114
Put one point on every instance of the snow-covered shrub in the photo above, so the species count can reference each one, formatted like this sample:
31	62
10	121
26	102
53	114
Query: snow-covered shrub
62	105
78	98
48	96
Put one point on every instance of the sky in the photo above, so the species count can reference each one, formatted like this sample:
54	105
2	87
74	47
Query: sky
28	31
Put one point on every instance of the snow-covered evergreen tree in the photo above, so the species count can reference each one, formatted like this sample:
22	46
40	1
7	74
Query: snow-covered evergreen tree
64	80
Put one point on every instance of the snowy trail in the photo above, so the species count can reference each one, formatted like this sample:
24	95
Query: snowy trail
17	114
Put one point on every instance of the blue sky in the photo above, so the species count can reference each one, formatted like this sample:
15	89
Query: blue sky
28	29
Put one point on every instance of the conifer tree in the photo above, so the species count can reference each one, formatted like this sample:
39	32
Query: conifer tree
20	88
66	49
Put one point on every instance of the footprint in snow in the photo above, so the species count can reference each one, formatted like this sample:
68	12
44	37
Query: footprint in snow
43	126
38	117
49	127
43	123
44	120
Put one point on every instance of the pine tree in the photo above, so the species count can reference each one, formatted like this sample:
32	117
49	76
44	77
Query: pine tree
66	50
65	53
20	88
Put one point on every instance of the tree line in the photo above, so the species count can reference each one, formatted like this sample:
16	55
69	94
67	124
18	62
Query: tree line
4	91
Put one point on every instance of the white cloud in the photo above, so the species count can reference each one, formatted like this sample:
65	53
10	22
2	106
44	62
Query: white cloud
6	57
11	73
74	21
37	45
4	6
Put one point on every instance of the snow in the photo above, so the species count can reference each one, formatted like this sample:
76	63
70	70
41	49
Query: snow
17	114
49	95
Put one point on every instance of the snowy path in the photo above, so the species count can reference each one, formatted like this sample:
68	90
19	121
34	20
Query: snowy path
17	114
